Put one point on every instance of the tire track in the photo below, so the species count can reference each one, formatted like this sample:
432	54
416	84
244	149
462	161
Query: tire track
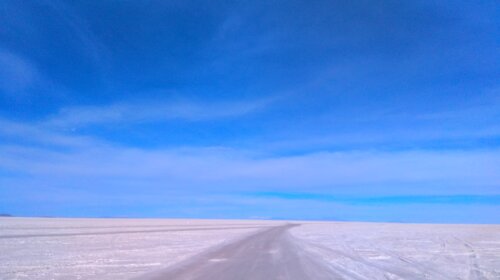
268	254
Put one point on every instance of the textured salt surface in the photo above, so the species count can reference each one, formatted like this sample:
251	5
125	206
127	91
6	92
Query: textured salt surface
404	251
109	248
128	248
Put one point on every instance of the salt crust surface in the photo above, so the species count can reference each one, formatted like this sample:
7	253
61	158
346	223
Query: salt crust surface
122	249
404	251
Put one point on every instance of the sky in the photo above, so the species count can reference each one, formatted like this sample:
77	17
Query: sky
331	110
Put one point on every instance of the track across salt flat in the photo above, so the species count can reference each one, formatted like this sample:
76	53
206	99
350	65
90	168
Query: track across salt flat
268	254
107	249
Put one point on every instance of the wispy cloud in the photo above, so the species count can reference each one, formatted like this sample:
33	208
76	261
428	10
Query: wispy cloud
154	111
87	43
20	77
26	134
17	74
229	169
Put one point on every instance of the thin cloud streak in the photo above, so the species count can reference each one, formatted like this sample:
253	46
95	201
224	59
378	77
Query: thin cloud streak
88	43
17	74
47	155
227	169
34	135
152	111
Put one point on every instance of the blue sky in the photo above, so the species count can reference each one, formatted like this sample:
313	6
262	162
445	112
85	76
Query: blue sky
347	110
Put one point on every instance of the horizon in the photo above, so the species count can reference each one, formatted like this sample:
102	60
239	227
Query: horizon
289	221
345	111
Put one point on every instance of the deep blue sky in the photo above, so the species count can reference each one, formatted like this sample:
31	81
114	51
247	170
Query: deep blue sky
351	110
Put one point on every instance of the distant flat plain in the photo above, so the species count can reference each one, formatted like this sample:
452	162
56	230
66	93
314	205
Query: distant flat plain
54	248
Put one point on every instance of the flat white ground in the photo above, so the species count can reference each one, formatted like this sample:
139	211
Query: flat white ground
49	248
404	251
35	248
